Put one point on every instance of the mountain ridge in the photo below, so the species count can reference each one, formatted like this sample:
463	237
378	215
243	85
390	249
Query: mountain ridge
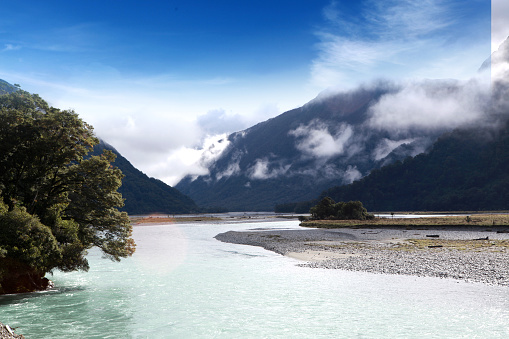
145	195
333	139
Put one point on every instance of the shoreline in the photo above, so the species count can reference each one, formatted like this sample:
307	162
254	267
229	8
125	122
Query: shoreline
464	253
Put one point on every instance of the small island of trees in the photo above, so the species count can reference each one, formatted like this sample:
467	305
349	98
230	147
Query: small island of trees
328	209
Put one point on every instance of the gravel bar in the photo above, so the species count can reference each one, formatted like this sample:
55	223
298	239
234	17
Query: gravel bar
6	332
470	254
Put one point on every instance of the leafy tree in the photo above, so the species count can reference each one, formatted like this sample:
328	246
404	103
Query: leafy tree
328	209
324	209
57	202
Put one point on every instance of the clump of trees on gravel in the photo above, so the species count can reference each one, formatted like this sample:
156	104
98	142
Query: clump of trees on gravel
328	209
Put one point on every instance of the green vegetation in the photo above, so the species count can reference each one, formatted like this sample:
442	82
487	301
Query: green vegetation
144	195
328	209
55	202
466	170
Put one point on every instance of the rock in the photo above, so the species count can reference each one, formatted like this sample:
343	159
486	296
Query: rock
6	332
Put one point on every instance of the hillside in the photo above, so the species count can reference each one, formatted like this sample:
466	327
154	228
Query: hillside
144	195
6	87
466	170
333	140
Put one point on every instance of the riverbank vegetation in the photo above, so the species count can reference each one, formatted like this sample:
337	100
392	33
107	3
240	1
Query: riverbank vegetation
328	209
483	220
56	202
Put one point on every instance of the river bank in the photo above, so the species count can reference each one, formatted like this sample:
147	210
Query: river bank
6	332
473	254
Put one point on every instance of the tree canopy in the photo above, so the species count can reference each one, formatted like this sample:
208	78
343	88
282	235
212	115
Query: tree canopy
329	209
55	201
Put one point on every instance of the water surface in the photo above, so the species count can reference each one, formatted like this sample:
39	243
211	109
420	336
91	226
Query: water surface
182	283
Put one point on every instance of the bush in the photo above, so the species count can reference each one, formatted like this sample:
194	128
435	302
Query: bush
328	209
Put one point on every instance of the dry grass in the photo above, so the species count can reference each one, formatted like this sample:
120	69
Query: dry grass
462	245
170	220
486	220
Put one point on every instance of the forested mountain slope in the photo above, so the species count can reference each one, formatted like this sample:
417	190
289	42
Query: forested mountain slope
144	195
466	170
333	140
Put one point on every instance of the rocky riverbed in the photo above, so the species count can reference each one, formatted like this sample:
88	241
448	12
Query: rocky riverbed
6	332
473	254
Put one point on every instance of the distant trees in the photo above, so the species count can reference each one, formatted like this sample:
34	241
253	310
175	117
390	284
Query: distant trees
329	209
55	202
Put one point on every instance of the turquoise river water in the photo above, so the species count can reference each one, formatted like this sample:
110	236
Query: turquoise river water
182	283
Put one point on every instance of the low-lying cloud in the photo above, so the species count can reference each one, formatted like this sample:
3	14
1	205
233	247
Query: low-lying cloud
264	169
430	106
314	140
386	146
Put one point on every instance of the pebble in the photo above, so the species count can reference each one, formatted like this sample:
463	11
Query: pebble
372	254
6	332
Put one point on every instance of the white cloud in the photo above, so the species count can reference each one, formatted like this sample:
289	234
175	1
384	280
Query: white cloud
430	105
263	169
499	23
316	141
394	39
218	121
386	146
189	161
10	47
351	174
232	169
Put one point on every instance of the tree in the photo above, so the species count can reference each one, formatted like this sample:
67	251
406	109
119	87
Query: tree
324	209
57	202
328	209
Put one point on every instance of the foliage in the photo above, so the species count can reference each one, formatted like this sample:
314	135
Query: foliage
329	209
57	202
144	195
466	170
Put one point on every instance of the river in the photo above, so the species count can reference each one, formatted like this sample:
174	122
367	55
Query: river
182	283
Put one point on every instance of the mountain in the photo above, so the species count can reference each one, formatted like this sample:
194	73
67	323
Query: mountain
144	195
333	140
465	170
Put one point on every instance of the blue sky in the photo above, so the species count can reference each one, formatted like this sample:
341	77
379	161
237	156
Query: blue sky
157	78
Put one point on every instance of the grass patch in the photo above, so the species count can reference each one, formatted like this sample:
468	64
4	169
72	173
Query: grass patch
487	220
169	220
461	245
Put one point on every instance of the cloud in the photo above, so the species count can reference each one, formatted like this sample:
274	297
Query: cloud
499	23
351	174
10	47
386	146
396	39
189	161
430	106
315	140
232	169
263	169
217	121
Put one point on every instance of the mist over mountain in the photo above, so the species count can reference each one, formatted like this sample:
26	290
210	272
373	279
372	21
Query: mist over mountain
335	139
465	170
